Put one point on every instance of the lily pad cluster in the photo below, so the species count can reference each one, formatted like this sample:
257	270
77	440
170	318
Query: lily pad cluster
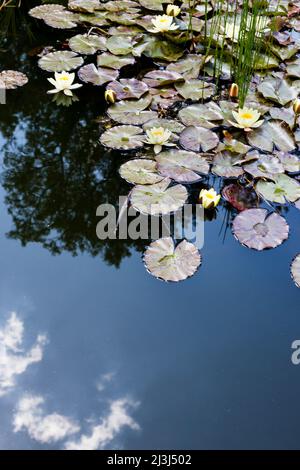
177	124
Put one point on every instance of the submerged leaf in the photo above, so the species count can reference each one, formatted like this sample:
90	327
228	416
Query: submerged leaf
259	229
158	198
168	263
239	197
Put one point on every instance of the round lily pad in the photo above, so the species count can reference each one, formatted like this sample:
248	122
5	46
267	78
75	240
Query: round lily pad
195	89
11	79
182	166
96	76
159	198
295	270
127	88
265	167
202	115
283	189
173	126
227	165
290	162
161	78
87	43
114	62
123	137
168	263
60	61
259	229
132	111
272	133
198	138
140	171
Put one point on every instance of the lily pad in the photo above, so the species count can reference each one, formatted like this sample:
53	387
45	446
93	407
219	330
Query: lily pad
132	112
60	61
295	270
272	133
168	263
259	229
123	137
182	166
160	78
114	62
11	79
126	45
198	138
227	165
96	76
158	48
128	88
170	124
140	171
267	166
195	89
84	5
278	90
283	189
207	115
290	162
159	198
55	16
189	67
87	43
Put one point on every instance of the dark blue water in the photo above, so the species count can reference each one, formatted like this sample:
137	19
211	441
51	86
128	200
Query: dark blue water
127	361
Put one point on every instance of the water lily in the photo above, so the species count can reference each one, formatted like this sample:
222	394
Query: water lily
63	82
163	23
296	106
246	118
173	10
158	136
234	90
110	96
209	198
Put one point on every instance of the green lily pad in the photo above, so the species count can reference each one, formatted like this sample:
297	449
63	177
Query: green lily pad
278	90
87	44
161	78
283	189
182	166
293	68
295	270
267	166
126	45
173	126
201	115
195	89
156	5
55	16
123	137
290	162
272	133
88	6
198	138
132	112
227	165
114	62
128	88
158	48
189	67
60	61
168	263
140	171
159	198
96	76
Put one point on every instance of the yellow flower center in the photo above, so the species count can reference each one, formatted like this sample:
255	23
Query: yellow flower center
157	132
247	115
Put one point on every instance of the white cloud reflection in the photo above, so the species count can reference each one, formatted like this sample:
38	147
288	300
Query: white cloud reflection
13	359
102	434
45	428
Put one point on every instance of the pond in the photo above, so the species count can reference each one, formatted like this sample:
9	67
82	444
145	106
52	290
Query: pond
95	351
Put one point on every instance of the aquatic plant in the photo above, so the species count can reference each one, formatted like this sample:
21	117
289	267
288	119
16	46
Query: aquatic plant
209	198
64	82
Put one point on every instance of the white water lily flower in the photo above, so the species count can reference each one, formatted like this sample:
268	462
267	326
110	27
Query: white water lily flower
173	10
163	23
246	118
63	82
158	136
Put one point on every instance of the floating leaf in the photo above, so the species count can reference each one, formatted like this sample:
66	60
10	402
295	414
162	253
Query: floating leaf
201	115
156	5
128	88
97	76
181	166
60	61
159	78
226	165
293	68
272	133
84	5
295	270
114	62
195	89
198	138
189	67
125	45
259	229
55	16
283	189
161	49
132	112
291	163
140	171
11	79
123	137
239	197
168	263
87	44
284	114
159	198
278	90
267	166
170	124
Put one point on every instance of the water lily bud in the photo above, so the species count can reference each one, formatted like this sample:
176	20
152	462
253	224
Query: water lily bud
209	198
296	106
110	96
172	10
234	90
